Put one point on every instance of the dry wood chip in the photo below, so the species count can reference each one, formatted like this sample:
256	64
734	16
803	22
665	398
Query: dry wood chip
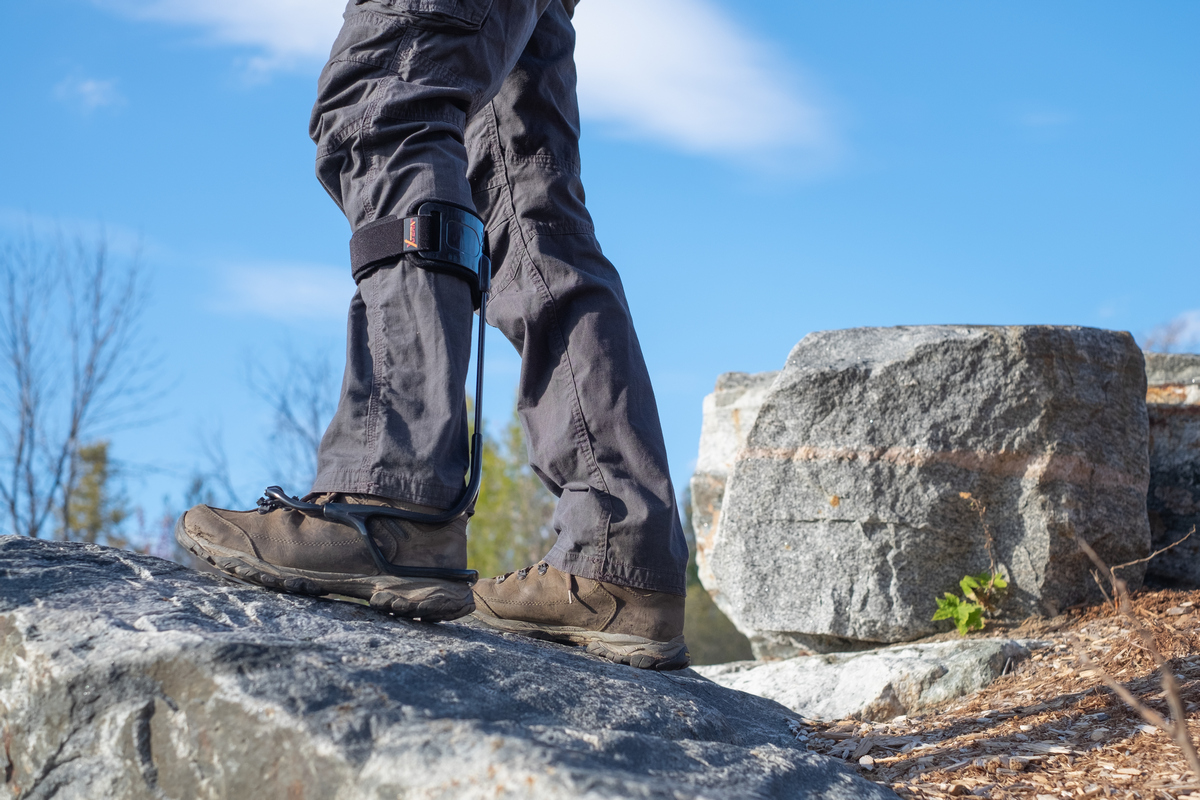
970	746
837	735
863	748
1044	747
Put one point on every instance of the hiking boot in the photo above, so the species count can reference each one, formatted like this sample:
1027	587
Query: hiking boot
630	626
308	554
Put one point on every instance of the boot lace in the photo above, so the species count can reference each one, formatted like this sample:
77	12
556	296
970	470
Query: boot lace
541	568
523	573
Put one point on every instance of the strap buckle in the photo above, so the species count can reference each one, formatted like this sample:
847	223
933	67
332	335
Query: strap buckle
451	235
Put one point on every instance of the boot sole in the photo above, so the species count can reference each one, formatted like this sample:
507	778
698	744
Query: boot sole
427	599
621	648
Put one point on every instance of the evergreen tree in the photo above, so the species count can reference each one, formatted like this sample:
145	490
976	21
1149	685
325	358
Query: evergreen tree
94	511
512	526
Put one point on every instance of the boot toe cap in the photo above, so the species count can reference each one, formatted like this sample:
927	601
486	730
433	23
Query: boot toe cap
204	524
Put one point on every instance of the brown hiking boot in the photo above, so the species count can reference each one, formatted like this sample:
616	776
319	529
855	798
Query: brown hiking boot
630	626
305	553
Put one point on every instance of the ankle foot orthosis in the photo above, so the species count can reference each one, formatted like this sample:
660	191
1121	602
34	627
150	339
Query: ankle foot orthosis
446	239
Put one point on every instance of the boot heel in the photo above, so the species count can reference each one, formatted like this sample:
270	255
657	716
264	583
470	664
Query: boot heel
661	656
430	601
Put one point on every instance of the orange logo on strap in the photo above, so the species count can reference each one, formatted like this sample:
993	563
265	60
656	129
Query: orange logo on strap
411	241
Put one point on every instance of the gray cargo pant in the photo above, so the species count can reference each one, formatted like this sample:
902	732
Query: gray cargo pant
472	102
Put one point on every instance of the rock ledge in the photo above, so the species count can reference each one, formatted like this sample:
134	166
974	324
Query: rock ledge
123	675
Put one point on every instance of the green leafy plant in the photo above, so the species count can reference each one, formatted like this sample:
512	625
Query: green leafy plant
981	594
984	589
967	616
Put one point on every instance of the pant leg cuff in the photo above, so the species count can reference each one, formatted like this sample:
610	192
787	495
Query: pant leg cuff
390	486
620	574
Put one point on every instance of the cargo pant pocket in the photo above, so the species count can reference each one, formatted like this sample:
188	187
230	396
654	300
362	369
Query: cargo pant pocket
466	15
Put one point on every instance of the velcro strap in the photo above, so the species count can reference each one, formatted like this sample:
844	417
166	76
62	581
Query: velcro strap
389	237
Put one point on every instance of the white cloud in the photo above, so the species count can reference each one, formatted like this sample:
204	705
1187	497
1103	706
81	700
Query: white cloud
685	73
680	72
1191	324
1181	334
88	94
119	240
286	32
286	292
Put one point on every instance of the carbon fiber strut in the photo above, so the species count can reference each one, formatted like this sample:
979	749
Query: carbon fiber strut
447	239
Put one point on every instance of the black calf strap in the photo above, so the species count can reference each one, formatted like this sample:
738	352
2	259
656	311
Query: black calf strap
446	238
385	239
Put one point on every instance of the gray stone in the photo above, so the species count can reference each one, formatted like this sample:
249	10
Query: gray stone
729	413
1173	501
1172	368
845	515
122	675
876	684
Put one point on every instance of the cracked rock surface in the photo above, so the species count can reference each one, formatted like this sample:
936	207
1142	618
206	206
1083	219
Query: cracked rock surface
883	460
122	675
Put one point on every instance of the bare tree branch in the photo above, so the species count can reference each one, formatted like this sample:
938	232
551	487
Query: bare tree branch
302	395
1166	337
217	474
1177	727
1130	699
1156	553
72	365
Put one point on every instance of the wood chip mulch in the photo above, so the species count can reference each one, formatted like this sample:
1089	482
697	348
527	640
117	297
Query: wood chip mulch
1050	729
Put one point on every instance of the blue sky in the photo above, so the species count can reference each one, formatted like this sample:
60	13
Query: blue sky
788	167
